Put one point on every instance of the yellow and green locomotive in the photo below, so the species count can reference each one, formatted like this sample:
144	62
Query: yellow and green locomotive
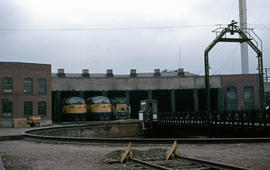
99	108
74	109
121	109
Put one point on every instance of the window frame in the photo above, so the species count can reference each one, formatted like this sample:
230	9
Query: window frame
24	89
27	109
4	86
44	87
9	106
44	109
246	107
235	102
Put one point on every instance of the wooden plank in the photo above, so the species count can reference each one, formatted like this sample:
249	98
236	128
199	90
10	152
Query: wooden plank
1	165
173	151
126	154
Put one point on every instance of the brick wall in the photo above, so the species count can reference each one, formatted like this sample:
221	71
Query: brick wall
18	72
241	81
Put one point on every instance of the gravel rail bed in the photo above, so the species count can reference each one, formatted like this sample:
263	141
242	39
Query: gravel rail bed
23	154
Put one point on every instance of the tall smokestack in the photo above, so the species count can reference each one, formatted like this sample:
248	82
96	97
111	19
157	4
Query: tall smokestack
243	27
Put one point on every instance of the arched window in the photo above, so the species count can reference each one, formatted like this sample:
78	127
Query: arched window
28	85
41	86
249	98
42	108
7	85
231	98
7	108
28	108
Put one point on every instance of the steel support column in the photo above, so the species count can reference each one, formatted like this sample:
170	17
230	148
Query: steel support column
57	110
127	97
195	100
173	101
149	93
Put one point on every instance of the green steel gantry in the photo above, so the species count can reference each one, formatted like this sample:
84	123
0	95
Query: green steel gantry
221	37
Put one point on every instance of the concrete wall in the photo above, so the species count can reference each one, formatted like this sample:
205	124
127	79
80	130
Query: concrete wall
142	83
100	131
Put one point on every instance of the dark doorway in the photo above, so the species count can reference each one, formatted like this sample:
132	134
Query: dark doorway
164	100
135	97
184	100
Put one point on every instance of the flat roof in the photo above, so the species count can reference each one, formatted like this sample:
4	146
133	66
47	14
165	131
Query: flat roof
102	75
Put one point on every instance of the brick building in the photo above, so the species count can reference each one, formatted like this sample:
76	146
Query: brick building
25	90
242	91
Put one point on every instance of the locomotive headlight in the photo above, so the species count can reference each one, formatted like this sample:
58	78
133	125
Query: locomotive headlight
154	116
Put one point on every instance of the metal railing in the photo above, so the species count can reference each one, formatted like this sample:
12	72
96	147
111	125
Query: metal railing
234	118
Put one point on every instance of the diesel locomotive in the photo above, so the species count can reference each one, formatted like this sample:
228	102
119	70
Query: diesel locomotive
121	109
74	109
99	108
95	108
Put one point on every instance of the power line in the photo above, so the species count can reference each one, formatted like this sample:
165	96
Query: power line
107	28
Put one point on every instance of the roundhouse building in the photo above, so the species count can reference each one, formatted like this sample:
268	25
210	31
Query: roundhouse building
175	91
25	90
31	89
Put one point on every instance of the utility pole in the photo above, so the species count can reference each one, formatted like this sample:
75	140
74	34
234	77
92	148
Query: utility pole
243	27
180	56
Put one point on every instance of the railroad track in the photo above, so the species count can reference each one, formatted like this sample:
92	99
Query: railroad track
78	140
173	160
183	162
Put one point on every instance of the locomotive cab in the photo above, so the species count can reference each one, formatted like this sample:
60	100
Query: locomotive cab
148	113
121	109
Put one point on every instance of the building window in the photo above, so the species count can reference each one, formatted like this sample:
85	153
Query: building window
7	108
41	86
231	98
28	85
7	85
249	98
28	108
42	108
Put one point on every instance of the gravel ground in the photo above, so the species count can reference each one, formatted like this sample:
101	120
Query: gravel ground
12	131
24	154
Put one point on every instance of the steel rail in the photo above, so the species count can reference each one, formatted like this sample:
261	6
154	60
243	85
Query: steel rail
34	134
148	164
211	163
197	162
146	140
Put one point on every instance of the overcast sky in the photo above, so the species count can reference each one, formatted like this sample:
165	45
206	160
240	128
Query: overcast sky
126	34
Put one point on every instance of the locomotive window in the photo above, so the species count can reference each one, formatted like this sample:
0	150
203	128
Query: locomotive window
28	108
28	85
249	98
231	98
42	108
7	108
7	85
41	86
